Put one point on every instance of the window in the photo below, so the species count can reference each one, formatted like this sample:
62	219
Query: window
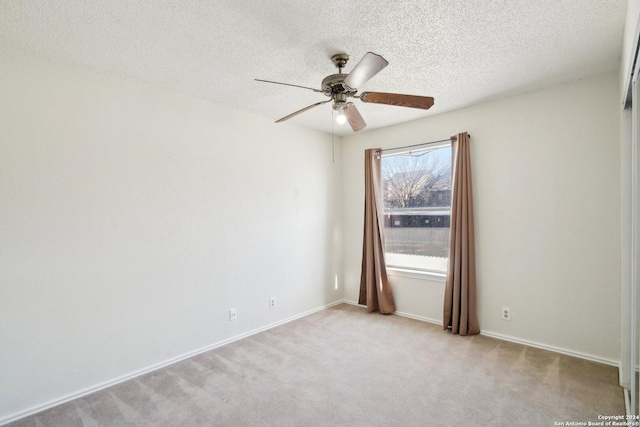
417	207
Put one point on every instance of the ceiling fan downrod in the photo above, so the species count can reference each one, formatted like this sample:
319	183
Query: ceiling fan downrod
333	85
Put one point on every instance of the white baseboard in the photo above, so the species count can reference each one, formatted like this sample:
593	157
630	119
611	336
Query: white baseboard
93	389
514	340
421	318
555	349
81	393
347	301
400	313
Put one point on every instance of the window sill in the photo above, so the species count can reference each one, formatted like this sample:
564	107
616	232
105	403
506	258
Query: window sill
417	274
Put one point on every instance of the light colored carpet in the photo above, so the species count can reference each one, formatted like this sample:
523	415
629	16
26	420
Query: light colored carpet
344	367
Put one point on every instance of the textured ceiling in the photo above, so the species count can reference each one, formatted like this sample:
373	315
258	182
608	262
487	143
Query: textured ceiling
460	51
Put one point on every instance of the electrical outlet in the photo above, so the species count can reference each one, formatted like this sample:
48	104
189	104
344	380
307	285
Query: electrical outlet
272	303
506	313
233	314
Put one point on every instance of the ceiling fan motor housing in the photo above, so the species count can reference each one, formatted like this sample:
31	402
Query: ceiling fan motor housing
333	85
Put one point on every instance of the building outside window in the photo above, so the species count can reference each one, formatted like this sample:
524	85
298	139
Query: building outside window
417	207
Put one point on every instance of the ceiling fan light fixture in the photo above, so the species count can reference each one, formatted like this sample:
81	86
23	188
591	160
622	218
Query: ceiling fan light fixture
339	108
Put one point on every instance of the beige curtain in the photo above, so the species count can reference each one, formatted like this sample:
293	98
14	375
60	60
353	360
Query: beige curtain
375	290
460	290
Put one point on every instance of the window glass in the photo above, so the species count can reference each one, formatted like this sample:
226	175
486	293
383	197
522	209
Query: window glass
417	206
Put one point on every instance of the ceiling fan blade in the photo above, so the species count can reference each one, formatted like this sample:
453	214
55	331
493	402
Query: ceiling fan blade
370	65
288	84
353	117
413	101
302	111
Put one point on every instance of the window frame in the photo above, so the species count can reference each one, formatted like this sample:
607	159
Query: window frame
404	271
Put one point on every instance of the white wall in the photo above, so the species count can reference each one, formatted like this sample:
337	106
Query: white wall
546	170
132	219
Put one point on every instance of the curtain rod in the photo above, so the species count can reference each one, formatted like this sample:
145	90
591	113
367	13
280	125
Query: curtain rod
418	145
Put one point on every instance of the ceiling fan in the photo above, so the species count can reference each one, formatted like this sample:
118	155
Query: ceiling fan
340	87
